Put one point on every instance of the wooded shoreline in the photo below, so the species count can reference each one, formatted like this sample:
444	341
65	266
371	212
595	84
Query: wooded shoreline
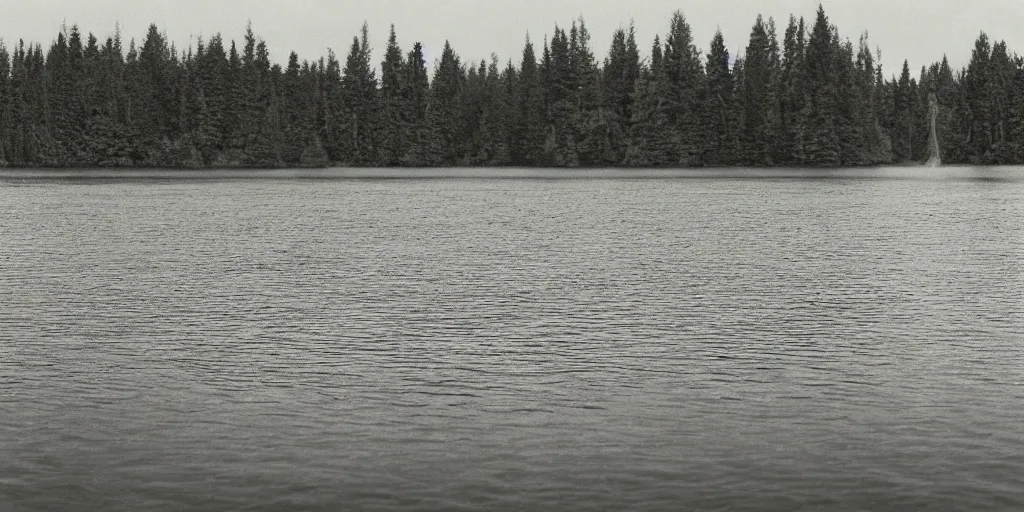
806	99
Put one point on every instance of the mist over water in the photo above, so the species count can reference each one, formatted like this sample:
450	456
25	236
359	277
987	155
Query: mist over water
654	340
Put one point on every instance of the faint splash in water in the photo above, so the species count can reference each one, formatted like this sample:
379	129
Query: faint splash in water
934	153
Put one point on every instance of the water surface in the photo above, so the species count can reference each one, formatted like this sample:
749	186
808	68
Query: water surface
589	340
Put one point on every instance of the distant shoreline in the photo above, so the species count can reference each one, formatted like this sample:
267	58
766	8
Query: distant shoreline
796	94
1010	173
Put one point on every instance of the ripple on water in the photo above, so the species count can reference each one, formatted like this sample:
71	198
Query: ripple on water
714	344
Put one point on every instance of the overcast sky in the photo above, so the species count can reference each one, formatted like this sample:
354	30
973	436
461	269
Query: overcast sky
918	30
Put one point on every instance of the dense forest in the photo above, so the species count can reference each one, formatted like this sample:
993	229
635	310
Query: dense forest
809	98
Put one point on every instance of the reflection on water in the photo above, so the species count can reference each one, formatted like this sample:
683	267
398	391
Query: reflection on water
782	340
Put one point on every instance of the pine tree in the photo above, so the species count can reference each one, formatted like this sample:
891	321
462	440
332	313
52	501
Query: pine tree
528	122
563	97
60	85
903	127
393	133
445	114
493	125
212	82
107	139
582	89
792	99
685	91
720	144
1016	113
1002	72
977	92
39	144
820	137
295	111
758	92
262	111
622	72
358	129
946	93
737	112
415	96
875	145
591	130
643	123
472	99
235	133
849	123
5	104
152	102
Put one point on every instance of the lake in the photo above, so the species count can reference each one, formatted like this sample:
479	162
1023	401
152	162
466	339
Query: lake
573	341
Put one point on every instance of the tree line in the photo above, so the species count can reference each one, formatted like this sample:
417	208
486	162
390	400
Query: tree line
807	98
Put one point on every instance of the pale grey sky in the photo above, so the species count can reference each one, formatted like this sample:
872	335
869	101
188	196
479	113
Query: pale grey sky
918	30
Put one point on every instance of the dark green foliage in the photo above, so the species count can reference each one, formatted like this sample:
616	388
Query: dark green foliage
810	98
562	102
497	109
415	99
652	141
791	94
865	92
903	128
820	139
358	111
620	77
5	104
212	92
393	132
1015	115
527	121
719	107
446	117
486	107
758	97
643	124
295	111
684	93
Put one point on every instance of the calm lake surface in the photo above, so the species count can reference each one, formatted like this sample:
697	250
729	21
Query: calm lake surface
346	340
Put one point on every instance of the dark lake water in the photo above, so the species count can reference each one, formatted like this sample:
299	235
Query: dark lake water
346	340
